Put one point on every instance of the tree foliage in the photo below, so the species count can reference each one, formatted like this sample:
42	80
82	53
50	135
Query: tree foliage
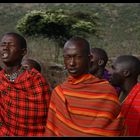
58	25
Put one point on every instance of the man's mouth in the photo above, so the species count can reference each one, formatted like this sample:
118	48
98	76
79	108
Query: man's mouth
72	70
111	80
5	55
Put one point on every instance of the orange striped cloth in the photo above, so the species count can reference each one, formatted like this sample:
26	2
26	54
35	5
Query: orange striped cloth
86	106
131	111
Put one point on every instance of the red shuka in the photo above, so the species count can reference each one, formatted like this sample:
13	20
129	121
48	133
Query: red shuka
23	104
131	111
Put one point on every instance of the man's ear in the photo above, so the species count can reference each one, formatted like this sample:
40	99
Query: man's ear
24	50
101	62
90	57
126	73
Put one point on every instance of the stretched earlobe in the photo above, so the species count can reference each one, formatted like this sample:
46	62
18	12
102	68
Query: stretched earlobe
126	73
24	51
100	62
90	58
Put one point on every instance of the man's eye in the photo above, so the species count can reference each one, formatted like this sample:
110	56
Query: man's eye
112	67
26	67
78	56
4	44
11	44
66	57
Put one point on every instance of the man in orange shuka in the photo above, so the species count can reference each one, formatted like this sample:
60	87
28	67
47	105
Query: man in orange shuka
83	105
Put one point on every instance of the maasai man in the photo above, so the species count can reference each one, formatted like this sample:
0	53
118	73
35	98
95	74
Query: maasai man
30	63
98	65
24	94
83	105
125	71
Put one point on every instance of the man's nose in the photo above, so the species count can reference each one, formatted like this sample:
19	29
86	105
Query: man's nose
72	61
110	71
4	45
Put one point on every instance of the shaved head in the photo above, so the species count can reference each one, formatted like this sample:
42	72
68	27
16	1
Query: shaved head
30	63
101	54
129	62
125	68
78	41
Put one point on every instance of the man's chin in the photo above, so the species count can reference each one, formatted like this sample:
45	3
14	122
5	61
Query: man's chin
114	84
74	74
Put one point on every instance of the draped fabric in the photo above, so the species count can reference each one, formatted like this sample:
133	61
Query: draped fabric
131	111
86	106
23	104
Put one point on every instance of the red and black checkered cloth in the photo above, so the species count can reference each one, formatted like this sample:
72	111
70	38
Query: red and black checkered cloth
23	104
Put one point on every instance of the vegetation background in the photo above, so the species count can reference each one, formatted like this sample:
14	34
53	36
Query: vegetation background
119	24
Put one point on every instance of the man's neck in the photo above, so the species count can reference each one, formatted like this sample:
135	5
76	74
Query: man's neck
127	87
11	69
100	73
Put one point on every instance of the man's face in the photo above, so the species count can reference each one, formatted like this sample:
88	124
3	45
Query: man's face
26	64
116	72
94	65
10	51
76	62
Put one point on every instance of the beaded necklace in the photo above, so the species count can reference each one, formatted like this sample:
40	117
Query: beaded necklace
14	75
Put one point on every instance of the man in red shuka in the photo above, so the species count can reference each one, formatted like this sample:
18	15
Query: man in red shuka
24	94
125	71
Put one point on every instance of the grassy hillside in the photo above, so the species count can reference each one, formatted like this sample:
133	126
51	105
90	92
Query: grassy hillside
119	22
